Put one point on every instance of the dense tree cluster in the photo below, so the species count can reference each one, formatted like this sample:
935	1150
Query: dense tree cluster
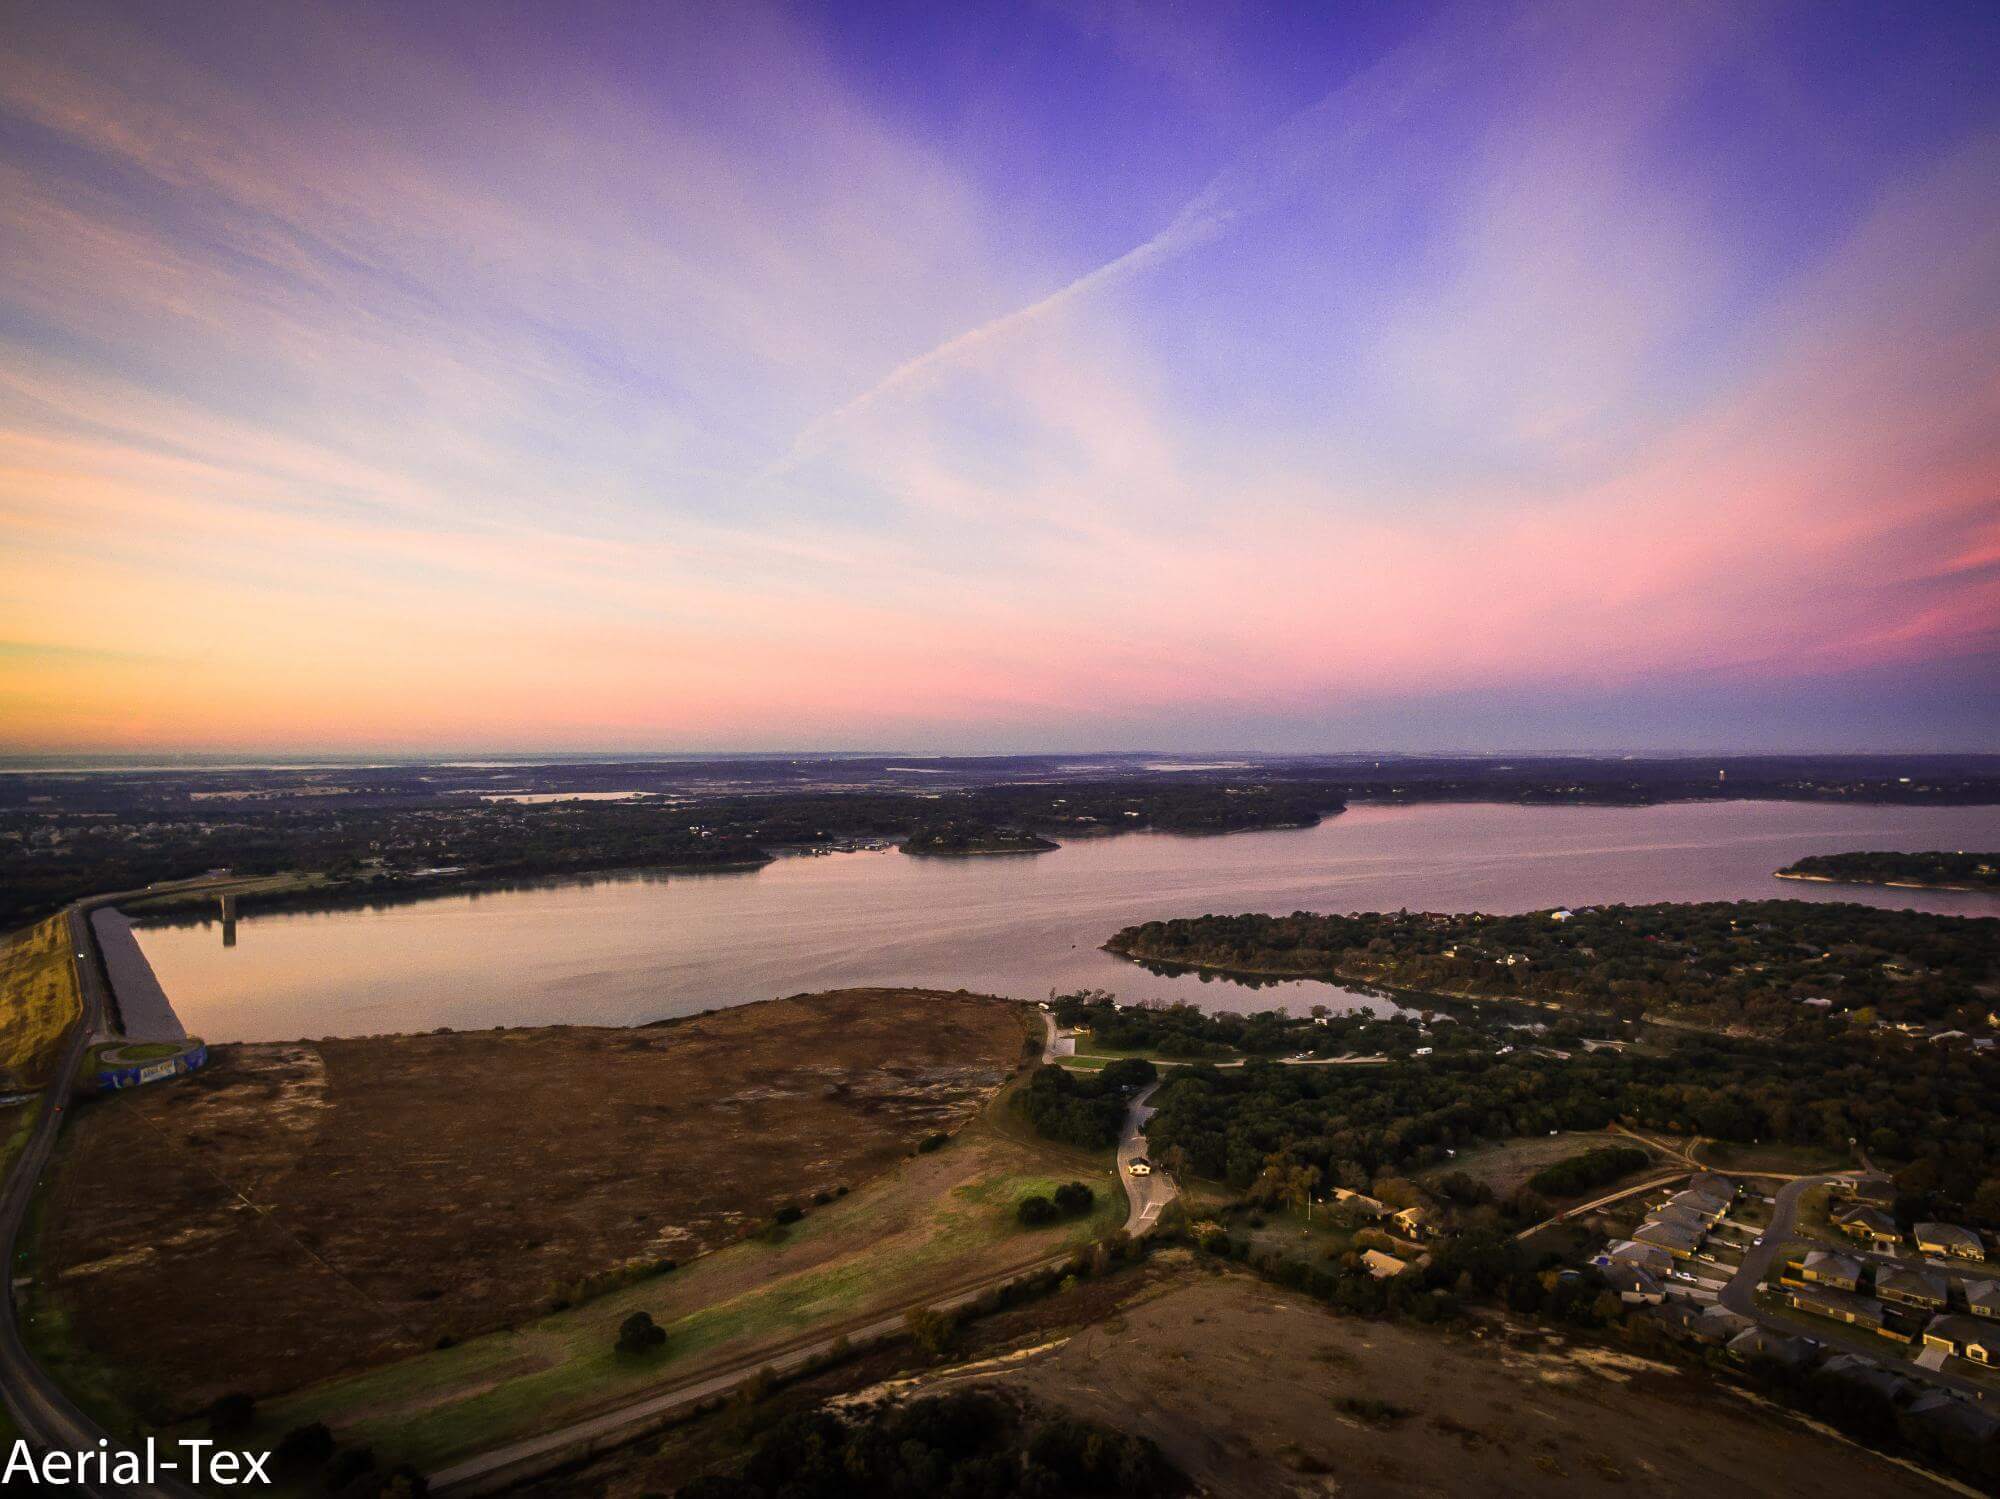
1083	1108
1593	1168
962	836
970	1444
1930	1111
1951	871
1718	963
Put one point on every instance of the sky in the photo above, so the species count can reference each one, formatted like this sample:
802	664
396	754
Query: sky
1568	377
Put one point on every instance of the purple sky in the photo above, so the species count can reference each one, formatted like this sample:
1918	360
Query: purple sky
1566	377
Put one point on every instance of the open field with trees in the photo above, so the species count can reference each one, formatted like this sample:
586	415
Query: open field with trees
943	1219
301	1209
38	1000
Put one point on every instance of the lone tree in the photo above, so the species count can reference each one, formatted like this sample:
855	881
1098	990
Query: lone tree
639	1333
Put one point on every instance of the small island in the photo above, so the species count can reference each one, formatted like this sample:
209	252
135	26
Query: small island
965	840
1936	870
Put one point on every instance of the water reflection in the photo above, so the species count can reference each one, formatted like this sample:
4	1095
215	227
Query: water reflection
644	944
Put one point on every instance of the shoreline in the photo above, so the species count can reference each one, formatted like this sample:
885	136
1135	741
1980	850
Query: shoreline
1829	879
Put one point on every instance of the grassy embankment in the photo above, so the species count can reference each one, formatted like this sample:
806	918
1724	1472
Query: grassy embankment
38	1000
942	1220
39	1003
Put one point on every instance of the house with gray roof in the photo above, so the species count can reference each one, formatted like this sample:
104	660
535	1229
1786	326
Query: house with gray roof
1982	1297
1867	1373
1919	1288
1823	1267
1870	1225
1949	1239
1634	1286
1677	1239
1969	1337
1701	1204
1654	1260
1840	1306
1760	1343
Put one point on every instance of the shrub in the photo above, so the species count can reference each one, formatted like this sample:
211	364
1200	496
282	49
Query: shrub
1036	1210
931	1329
933	1142
791	1212
304	1447
1074	1199
639	1333
231	1413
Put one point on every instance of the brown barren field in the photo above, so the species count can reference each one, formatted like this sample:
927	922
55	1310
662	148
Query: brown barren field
300	1209
1248	1388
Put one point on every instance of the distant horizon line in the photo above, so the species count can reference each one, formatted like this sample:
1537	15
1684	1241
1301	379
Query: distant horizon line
224	759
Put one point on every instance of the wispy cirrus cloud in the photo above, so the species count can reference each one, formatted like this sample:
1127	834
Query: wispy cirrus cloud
673	382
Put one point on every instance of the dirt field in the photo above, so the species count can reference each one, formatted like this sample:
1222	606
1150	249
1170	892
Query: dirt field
38	1000
1255	1392
296	1210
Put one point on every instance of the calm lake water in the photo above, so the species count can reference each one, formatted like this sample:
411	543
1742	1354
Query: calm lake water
625	949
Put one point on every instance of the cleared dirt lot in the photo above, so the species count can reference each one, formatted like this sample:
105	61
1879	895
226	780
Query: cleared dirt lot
300	1209
1256	1392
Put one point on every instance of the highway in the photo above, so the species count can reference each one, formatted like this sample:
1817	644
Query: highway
40	1410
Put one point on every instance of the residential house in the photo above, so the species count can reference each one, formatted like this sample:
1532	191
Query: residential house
1841	1306
1968	1337
1360	1202
1710	1324
1415	1222
1757	1343
1955	1421
1982	1297
1650	1258
1708	1209
1871	1187
1634	1286
1668	1212
1723	1323
1382	1266
1677	1239
1868	1374
1827	1269
1949	1239
1721	1188
1870	1225
1919	1288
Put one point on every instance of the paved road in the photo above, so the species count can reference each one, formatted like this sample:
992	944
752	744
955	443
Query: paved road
1740	1296
1599	1202
1148	1195
40	1410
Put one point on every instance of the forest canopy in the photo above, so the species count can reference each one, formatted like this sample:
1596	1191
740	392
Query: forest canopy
1720	964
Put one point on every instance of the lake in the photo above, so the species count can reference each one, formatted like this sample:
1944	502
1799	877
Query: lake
631	948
